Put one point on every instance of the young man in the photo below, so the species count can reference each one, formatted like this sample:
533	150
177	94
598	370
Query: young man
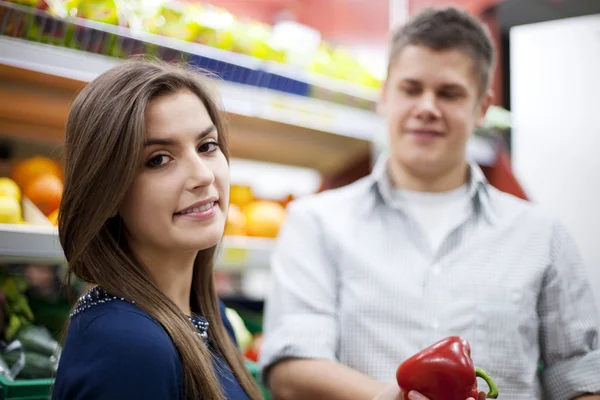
424	248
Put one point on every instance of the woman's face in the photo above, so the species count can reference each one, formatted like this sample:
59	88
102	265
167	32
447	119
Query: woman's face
178	200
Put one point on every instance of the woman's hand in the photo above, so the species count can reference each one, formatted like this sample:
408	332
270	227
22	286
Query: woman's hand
393	392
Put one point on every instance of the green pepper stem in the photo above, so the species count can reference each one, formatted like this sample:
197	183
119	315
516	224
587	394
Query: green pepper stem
493	393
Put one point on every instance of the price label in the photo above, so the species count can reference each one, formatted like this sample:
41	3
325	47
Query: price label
235	255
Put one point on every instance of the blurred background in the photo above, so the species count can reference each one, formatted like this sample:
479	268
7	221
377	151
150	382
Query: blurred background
300	81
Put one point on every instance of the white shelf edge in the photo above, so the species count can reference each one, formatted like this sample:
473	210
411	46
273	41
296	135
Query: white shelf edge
40	244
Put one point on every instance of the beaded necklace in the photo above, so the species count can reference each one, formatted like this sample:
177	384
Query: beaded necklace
98	295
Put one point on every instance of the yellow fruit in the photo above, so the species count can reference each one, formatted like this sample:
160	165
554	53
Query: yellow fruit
264	218
236	222
9	188
10	210
240	195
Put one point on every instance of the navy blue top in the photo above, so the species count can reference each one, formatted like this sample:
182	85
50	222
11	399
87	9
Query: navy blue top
116	351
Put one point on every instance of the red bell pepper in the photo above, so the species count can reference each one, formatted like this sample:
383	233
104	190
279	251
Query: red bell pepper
443	371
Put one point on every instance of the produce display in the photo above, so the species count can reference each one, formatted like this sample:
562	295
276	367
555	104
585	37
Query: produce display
205	24
249	216
28	351
443	370
39	179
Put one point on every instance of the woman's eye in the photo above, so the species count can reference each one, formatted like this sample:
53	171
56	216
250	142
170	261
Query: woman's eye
158	161
208	147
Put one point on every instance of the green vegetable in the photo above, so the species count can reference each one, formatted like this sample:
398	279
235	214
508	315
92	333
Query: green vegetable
4	368
37	366
38	339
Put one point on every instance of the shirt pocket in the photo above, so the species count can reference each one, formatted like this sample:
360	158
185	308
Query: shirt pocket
506	334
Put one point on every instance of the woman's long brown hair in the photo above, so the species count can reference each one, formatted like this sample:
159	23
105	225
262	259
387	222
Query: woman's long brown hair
103	151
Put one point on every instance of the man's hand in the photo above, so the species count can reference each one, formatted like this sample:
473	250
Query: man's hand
393	392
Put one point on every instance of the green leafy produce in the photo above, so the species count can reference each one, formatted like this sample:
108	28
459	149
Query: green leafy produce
15	307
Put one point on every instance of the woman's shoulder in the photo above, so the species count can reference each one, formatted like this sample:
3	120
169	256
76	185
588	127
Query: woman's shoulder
113	319
116	341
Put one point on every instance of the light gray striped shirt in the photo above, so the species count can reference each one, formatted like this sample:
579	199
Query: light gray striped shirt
354	281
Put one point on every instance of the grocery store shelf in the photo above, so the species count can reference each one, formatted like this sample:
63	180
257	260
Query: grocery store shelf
30	244
39	244
242	253
38	83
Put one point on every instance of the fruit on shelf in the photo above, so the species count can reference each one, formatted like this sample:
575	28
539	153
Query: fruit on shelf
253	39
10	202
242	334
10	210
175	19
45	191
194	22
264	218
9	188
236	221
287	200
215	27
99	10
241	195
26	170
40	179
252	353
53	217
340	63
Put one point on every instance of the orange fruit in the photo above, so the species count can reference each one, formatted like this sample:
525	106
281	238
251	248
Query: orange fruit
236	222
45	192
264	218
27	170
53	217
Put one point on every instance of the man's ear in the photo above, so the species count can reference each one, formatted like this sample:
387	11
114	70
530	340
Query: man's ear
382	99
482	107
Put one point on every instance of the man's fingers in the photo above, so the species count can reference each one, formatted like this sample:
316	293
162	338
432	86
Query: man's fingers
414	395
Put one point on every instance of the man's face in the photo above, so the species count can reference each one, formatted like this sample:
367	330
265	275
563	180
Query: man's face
432	104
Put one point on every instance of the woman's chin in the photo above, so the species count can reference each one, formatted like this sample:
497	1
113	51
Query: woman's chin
203	241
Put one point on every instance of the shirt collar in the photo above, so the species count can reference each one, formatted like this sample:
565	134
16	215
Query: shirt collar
478	187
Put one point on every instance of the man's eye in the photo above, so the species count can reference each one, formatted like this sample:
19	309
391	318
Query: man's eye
449	94
411	91
158	161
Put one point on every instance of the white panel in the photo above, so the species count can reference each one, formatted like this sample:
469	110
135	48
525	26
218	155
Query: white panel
555	89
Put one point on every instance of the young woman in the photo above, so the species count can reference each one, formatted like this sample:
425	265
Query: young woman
144	206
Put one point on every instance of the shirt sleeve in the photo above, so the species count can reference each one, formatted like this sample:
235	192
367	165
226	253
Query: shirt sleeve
300	309
115	359
569	324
